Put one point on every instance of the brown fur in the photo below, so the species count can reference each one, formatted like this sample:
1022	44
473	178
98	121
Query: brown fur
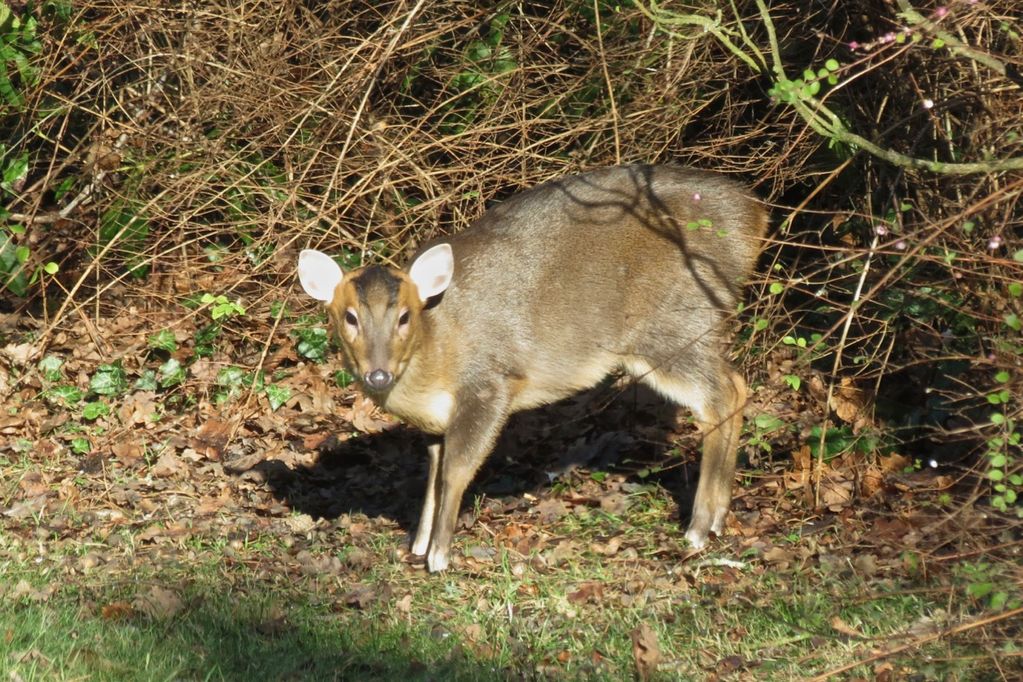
638	268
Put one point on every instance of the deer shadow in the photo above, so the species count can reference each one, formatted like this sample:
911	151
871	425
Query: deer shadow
607	428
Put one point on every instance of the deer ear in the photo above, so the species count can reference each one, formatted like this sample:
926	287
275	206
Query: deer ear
319	274
432	271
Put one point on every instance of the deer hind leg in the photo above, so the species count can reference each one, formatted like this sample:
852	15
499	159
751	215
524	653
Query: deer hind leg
717	399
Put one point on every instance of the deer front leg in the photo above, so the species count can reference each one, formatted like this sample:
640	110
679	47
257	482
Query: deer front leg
479	416
422	541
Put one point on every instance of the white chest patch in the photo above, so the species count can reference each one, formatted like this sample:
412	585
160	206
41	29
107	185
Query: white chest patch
439	406
429	410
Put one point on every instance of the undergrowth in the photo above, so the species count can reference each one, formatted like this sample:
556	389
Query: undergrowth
160	169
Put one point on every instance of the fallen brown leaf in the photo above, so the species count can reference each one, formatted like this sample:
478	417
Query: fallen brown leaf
780	556
360	596
646	651
835	493
20	354
563	551
313	441
851	404
128	450
614	503
367	418
729	664
607	549
404	605
159	603
865	564
551	510
275	622
894	463
841	627
167	465
211	438
24	590
802	458
117	611
592	592
34	483
140	407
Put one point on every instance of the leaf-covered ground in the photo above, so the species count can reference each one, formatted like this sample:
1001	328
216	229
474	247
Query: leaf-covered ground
159	521
190	490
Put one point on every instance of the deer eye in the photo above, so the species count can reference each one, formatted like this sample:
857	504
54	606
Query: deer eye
351	318
403	318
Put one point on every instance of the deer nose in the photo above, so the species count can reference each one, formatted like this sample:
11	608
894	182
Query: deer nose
379	379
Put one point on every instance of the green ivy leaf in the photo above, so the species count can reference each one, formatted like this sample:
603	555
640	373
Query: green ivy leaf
15	170
767	422
343	379
163	340
171	373
979	590
95	410
109	380
146	381
312	343
231	377
277	395
50	367
65	394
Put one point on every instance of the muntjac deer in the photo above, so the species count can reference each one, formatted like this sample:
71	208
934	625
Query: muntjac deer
634	268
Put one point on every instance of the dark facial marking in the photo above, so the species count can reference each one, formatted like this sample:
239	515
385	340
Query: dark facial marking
376	281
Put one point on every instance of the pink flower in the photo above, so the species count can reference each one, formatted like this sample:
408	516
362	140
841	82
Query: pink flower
696	196
854	45
940	12
901	245
881	230
994	243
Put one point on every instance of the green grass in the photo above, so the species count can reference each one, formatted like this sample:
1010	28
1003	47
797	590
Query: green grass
240	619
225	631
